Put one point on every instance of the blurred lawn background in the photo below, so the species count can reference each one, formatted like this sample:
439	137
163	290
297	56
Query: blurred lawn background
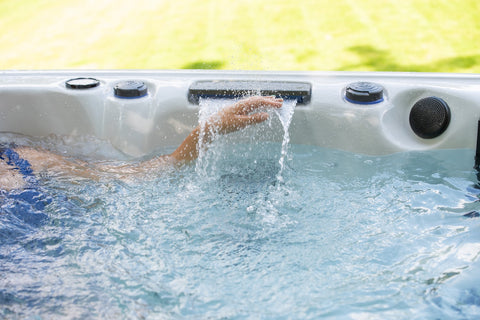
357	35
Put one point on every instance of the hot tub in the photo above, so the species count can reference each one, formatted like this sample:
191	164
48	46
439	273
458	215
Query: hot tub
370	211
42	103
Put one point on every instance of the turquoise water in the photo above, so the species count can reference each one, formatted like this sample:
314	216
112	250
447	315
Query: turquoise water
340	236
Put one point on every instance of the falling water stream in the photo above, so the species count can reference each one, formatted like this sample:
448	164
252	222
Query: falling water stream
208	107
285	115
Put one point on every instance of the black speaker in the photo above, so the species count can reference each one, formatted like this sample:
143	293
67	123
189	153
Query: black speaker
429	117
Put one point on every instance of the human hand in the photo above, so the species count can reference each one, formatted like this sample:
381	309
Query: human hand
230	119
243	113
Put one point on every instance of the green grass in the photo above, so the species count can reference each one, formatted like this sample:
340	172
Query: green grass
366	35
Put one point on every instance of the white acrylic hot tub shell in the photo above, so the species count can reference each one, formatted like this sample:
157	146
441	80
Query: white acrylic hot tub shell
38	104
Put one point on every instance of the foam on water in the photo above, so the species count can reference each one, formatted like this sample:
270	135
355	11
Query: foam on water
344	236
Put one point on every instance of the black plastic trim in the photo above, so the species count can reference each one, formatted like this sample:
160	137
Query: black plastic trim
232	89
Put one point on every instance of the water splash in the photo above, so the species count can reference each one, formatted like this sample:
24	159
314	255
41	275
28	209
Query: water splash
285	114
208	107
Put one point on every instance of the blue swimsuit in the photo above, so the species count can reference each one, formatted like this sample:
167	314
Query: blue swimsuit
29	202
11	157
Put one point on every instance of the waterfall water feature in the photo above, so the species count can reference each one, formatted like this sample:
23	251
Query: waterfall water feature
285	114
208	107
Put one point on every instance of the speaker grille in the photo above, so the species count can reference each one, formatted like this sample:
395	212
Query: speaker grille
429	117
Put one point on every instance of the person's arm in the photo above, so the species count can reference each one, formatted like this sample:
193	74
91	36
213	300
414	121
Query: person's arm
232	118
229	119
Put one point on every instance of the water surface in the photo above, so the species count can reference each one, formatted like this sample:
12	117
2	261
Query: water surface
341	235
